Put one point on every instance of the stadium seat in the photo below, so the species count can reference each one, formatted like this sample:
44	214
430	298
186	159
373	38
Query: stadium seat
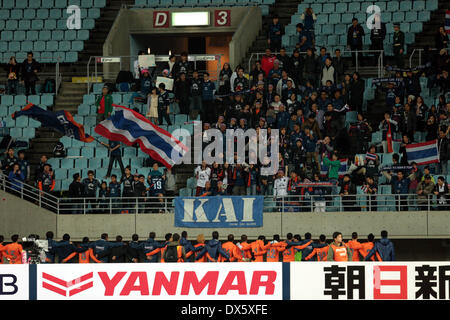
95	163
191	183
87	152
393	6
47	99
20	100
81	163
431	5
101	152
73	152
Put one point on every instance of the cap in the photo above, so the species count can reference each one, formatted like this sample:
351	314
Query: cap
144	71
397	25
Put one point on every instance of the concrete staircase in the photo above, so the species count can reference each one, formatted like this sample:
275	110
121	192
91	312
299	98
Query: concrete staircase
284	9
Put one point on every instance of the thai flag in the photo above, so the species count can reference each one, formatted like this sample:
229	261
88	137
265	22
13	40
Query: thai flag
61	121
343	169
423	153
130	127
447	21
371	156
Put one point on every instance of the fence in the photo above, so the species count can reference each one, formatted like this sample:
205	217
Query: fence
257	56
127	61
418	52
292	203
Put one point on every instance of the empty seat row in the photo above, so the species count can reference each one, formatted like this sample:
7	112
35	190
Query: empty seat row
346	18
34	35
41	25
357	6
48	57
52	45
191	3
20	100
29	14
50	4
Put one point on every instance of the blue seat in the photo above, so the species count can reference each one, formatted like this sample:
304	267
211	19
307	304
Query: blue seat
418	5
42	14
29	133
101	152
328	8
346	18
95	163
191	183
7	99
15	132
8	4
341	7
354	7
66	141
65	184
322	19
94	13
327	29
32	35
405	6
77	45
89	99
20	100
81	163
47	99
48	4
67	163
423	16
22	122
70	35
416	27
16	14
54	162
71	56
73	152
87	152
88	24
12	25
24	25
398	17
432	5
99	3
57	185
393	6
411	16
129	152
14	46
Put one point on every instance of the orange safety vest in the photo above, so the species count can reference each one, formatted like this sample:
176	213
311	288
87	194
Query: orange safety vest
355	246
339	253
180	253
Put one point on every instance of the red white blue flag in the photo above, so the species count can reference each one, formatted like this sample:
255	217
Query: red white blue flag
130	127
423	153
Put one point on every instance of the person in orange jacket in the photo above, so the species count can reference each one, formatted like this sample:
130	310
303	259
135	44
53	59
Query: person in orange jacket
273	251
321	253
83	257
354	245
259	249
230	248
337	250
12	253
2	248
367	246
244	250
289	247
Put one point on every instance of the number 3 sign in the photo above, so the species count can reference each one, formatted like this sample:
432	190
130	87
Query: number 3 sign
222	18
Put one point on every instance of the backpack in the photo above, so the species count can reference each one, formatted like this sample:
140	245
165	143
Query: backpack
58	150
171	254
49	86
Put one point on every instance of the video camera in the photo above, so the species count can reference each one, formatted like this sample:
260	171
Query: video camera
34	248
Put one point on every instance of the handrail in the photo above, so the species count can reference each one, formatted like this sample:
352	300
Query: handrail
379	63
420	50
272	203
158	58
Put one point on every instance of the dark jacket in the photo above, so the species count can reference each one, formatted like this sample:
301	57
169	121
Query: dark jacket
27	70
385	249
443	149
120	252
359	36
64	248
149	246
182	90
102	246
357	93
214	248
76	189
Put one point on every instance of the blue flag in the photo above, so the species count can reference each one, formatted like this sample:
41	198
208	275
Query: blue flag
61	121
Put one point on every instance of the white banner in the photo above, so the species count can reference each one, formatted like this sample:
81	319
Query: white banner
370	281
167	81
109	59
147	61
14	282
160	281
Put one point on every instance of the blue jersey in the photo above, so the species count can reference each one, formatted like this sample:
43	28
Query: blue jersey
114	189
156	184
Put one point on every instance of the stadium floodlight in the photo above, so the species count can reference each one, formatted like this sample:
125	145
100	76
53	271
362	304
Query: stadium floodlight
186	19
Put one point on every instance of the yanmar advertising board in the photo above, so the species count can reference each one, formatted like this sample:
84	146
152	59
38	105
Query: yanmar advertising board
181	281
14	282
370	281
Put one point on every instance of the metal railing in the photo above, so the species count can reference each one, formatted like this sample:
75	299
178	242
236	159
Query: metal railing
419	51
380	63
126	64
292	203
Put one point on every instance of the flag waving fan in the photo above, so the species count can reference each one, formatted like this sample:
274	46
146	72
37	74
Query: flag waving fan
61	121
130	127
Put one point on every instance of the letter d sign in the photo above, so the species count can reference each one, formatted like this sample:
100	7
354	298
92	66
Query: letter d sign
160	19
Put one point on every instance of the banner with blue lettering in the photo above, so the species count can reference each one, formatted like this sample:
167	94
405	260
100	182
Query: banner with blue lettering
219	212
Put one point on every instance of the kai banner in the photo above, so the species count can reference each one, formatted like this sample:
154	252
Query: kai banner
219	212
